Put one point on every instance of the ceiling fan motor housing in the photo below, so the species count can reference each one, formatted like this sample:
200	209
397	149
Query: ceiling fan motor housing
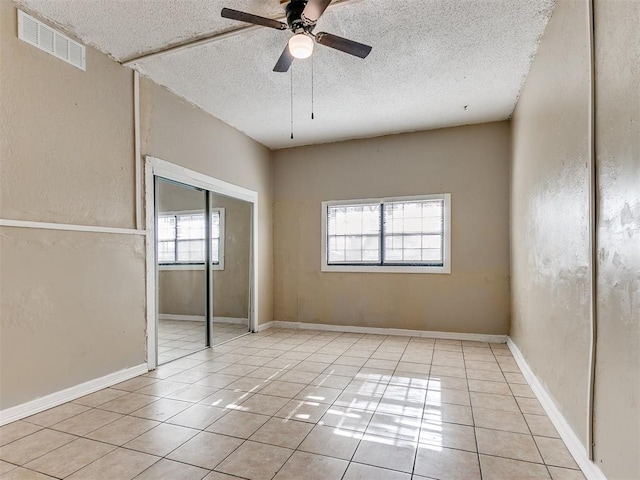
294	16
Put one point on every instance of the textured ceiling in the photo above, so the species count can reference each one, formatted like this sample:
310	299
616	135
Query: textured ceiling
434	63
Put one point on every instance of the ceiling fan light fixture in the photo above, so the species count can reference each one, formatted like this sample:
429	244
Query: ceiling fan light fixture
301	45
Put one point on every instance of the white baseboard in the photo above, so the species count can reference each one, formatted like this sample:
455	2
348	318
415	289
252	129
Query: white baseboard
38	405
571	440
264	326
200	318
475	337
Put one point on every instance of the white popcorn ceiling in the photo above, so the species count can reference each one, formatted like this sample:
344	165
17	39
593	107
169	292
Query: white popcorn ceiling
435	63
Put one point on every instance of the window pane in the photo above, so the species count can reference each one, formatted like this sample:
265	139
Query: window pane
190	251
413	232
166	251
190	226
166	227
351	231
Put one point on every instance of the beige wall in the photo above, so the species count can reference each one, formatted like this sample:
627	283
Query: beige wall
550	214
617	386
178	132
471	163
550	225
72	304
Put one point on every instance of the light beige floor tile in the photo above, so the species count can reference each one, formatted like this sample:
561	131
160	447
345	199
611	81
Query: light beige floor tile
170	470
319	394
162	409
238	369
332	442
507	444
386	452
224	398
121	463
217	476
238	424
479	365
522	391
56	414
5	467
408	379
198	416
505	403
15	430
485	386
161	440
346	418
65	460
246	384
500	420
263	404
187	376
128	403
515	378
266	373
438	382
161	388
358	401
358	471
446	463
312	467
333	369
350	361
100	397
555	453
455	372
530	405
494	468
123	430
87	422
474	374
540	425
282	389
448	413
436	434
205	450
565	474
394	426
20	473
448	395
192	393
135	383
255	461
331	381
282	432
218	380
33	446
302	411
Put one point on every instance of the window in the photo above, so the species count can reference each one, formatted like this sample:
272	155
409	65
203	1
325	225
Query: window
409	234
181	239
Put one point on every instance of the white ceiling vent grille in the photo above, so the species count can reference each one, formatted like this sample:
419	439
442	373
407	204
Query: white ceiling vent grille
51	41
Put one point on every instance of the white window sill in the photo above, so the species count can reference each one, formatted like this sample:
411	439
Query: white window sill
189	267
384	269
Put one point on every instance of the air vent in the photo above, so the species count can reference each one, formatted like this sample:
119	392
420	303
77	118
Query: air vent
51	41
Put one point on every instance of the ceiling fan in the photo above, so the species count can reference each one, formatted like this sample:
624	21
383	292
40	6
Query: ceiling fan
302	16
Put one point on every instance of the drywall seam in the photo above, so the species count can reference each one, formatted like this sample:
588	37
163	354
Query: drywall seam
136	142
199	41
473	337
571	440
70	227
32	407
593	313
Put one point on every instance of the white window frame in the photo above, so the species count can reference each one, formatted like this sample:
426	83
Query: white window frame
196	266
445	268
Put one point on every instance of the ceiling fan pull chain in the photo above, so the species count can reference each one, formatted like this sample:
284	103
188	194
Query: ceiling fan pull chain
291	101
312	83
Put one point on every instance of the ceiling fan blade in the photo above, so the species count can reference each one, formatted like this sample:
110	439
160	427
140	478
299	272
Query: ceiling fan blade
344	45
254	19
285	61
314	9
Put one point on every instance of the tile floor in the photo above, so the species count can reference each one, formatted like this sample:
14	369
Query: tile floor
177	338
295	404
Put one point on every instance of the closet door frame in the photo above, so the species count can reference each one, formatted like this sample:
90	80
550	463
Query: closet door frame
155	167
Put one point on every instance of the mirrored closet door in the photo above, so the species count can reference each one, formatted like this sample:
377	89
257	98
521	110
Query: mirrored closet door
203	256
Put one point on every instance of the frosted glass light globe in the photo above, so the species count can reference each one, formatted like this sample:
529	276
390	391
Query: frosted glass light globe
301	46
